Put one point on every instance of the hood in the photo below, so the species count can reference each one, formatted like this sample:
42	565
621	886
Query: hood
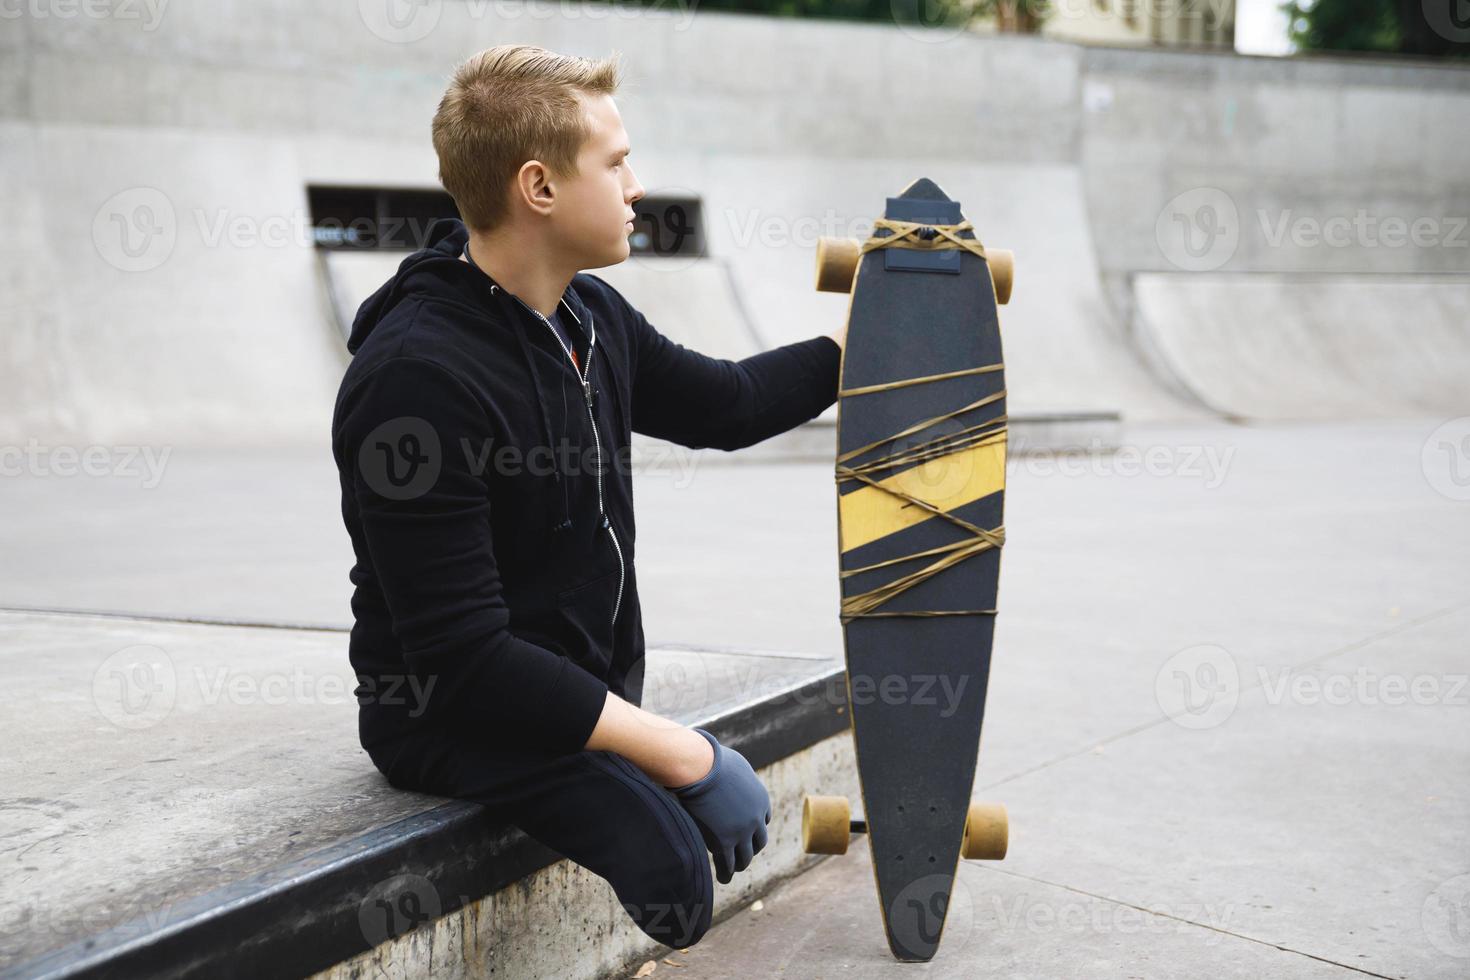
437	270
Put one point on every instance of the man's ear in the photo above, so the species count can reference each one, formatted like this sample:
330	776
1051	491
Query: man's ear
533	184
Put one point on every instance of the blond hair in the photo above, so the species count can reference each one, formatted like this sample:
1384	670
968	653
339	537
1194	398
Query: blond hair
506	105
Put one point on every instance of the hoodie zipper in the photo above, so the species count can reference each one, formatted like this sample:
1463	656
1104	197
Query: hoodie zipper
596	437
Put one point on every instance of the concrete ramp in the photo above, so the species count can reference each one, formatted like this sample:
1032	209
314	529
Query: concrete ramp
1066	353
691	301
1276	347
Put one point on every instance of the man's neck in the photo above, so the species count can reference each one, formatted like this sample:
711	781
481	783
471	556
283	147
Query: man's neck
513	265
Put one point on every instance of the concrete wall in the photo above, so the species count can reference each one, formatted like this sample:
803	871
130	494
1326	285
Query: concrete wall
160	283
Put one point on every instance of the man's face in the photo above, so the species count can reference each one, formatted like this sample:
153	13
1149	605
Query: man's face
594	209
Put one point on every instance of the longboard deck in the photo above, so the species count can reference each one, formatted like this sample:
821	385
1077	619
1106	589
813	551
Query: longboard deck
917	684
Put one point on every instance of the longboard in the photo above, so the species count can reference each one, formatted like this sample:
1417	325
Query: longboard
920	471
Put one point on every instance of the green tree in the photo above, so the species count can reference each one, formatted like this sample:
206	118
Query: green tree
1419	27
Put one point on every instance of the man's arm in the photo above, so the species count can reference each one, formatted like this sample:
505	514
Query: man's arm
425	515
671	754
696	400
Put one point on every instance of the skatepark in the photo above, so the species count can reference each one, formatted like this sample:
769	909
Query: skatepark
1229	711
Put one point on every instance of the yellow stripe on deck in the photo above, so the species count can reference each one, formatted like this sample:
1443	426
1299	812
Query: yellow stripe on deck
947	482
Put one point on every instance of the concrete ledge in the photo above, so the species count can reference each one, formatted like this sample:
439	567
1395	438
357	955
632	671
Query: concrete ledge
563	921
385	891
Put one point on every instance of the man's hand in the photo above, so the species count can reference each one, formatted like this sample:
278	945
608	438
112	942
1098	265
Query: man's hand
731	807
715	784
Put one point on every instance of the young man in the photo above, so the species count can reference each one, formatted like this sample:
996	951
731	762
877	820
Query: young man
481	434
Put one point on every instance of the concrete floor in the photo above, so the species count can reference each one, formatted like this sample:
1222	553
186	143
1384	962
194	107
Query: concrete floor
1229	713
1301	808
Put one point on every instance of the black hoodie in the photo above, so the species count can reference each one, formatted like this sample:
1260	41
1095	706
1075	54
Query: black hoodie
487	492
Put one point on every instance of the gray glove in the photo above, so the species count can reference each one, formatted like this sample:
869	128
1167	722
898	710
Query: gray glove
731	808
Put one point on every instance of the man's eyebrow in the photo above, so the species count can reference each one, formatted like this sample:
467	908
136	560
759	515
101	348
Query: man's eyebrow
621	152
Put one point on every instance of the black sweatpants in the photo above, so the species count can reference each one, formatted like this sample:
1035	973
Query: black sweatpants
595	808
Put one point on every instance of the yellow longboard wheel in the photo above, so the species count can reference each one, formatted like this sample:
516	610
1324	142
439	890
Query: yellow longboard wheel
837	262
1002	272
826	824
987	833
